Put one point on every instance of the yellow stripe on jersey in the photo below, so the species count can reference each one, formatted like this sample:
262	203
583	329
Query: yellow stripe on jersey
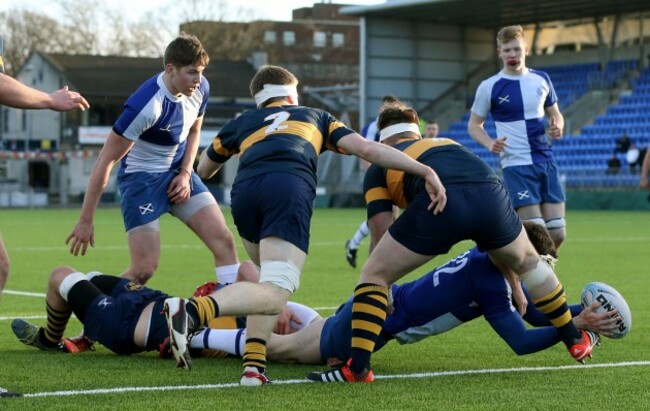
333	126
300	129
219	149
378	193
394	178
416	149
223	323
394	181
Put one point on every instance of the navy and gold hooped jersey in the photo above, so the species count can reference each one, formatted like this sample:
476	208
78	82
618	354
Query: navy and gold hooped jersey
278	138
451	161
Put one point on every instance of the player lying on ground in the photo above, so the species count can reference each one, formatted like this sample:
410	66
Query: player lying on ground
121	314
467	287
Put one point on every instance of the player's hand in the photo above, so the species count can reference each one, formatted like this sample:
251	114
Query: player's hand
436	191
603	323
180	188
519	297
82	234
286	317
643	182
65	99
554	131
498	145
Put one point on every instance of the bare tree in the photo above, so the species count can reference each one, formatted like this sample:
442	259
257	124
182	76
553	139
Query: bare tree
25	31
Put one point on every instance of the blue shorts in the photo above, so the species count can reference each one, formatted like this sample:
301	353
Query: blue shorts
336	336
111	319
534	184
144	196
274	205
475	211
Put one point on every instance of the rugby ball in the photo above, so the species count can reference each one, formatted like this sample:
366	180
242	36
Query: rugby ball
609	299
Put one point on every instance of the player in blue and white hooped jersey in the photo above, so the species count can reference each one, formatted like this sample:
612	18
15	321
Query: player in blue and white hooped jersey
156	138
519	99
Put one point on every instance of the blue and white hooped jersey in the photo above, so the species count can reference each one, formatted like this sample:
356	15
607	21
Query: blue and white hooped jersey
459	291
517	105
158	123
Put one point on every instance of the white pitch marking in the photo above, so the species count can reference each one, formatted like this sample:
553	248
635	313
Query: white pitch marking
381	377
24	293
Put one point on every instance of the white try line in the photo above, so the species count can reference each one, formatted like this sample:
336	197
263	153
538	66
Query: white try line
24	293
120	390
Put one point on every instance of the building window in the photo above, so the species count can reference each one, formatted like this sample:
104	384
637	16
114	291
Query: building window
338	39
320	39
270	37
289	38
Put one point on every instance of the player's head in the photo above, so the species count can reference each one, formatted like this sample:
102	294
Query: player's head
273	83
512	48
396	121
540	239
185	59
431	129
186	50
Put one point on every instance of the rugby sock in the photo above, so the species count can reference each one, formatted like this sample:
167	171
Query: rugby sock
56	323
227	274
358	237
368	315
229	341
201	310
555	308
255	354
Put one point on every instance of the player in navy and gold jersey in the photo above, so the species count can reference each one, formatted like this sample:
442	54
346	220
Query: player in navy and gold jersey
467	287
272	197
477	208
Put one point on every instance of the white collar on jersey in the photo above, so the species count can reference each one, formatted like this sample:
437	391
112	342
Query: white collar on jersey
398	128
276	90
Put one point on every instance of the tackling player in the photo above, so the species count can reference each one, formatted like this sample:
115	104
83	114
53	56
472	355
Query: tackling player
478	209
465	288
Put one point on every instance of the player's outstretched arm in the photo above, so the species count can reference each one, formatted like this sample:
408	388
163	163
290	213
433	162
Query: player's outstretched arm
15	94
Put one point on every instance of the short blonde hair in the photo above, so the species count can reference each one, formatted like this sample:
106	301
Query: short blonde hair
509	33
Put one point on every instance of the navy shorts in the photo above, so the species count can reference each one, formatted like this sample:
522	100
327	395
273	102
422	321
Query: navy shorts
336	336
144	196
534	184
111	319
273	205
475	211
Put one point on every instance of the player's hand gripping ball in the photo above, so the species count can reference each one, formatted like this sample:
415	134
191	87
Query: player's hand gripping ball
609	299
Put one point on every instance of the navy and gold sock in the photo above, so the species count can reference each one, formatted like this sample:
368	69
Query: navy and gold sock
368	315
255	354
555	308
201	310
56	323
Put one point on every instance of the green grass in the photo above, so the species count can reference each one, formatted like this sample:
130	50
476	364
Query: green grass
602	246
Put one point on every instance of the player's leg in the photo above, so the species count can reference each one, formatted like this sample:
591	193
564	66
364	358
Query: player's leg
545	290
552	199
202	214
302	347
60	305
555	222
352	245
144	247
281	265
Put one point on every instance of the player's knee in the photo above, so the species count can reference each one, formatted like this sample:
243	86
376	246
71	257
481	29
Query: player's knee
557	229
59	274
283	274
66	279
539	273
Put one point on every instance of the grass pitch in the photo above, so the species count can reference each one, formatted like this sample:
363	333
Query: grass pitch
469	368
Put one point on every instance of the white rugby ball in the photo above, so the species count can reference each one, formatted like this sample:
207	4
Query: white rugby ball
609	299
